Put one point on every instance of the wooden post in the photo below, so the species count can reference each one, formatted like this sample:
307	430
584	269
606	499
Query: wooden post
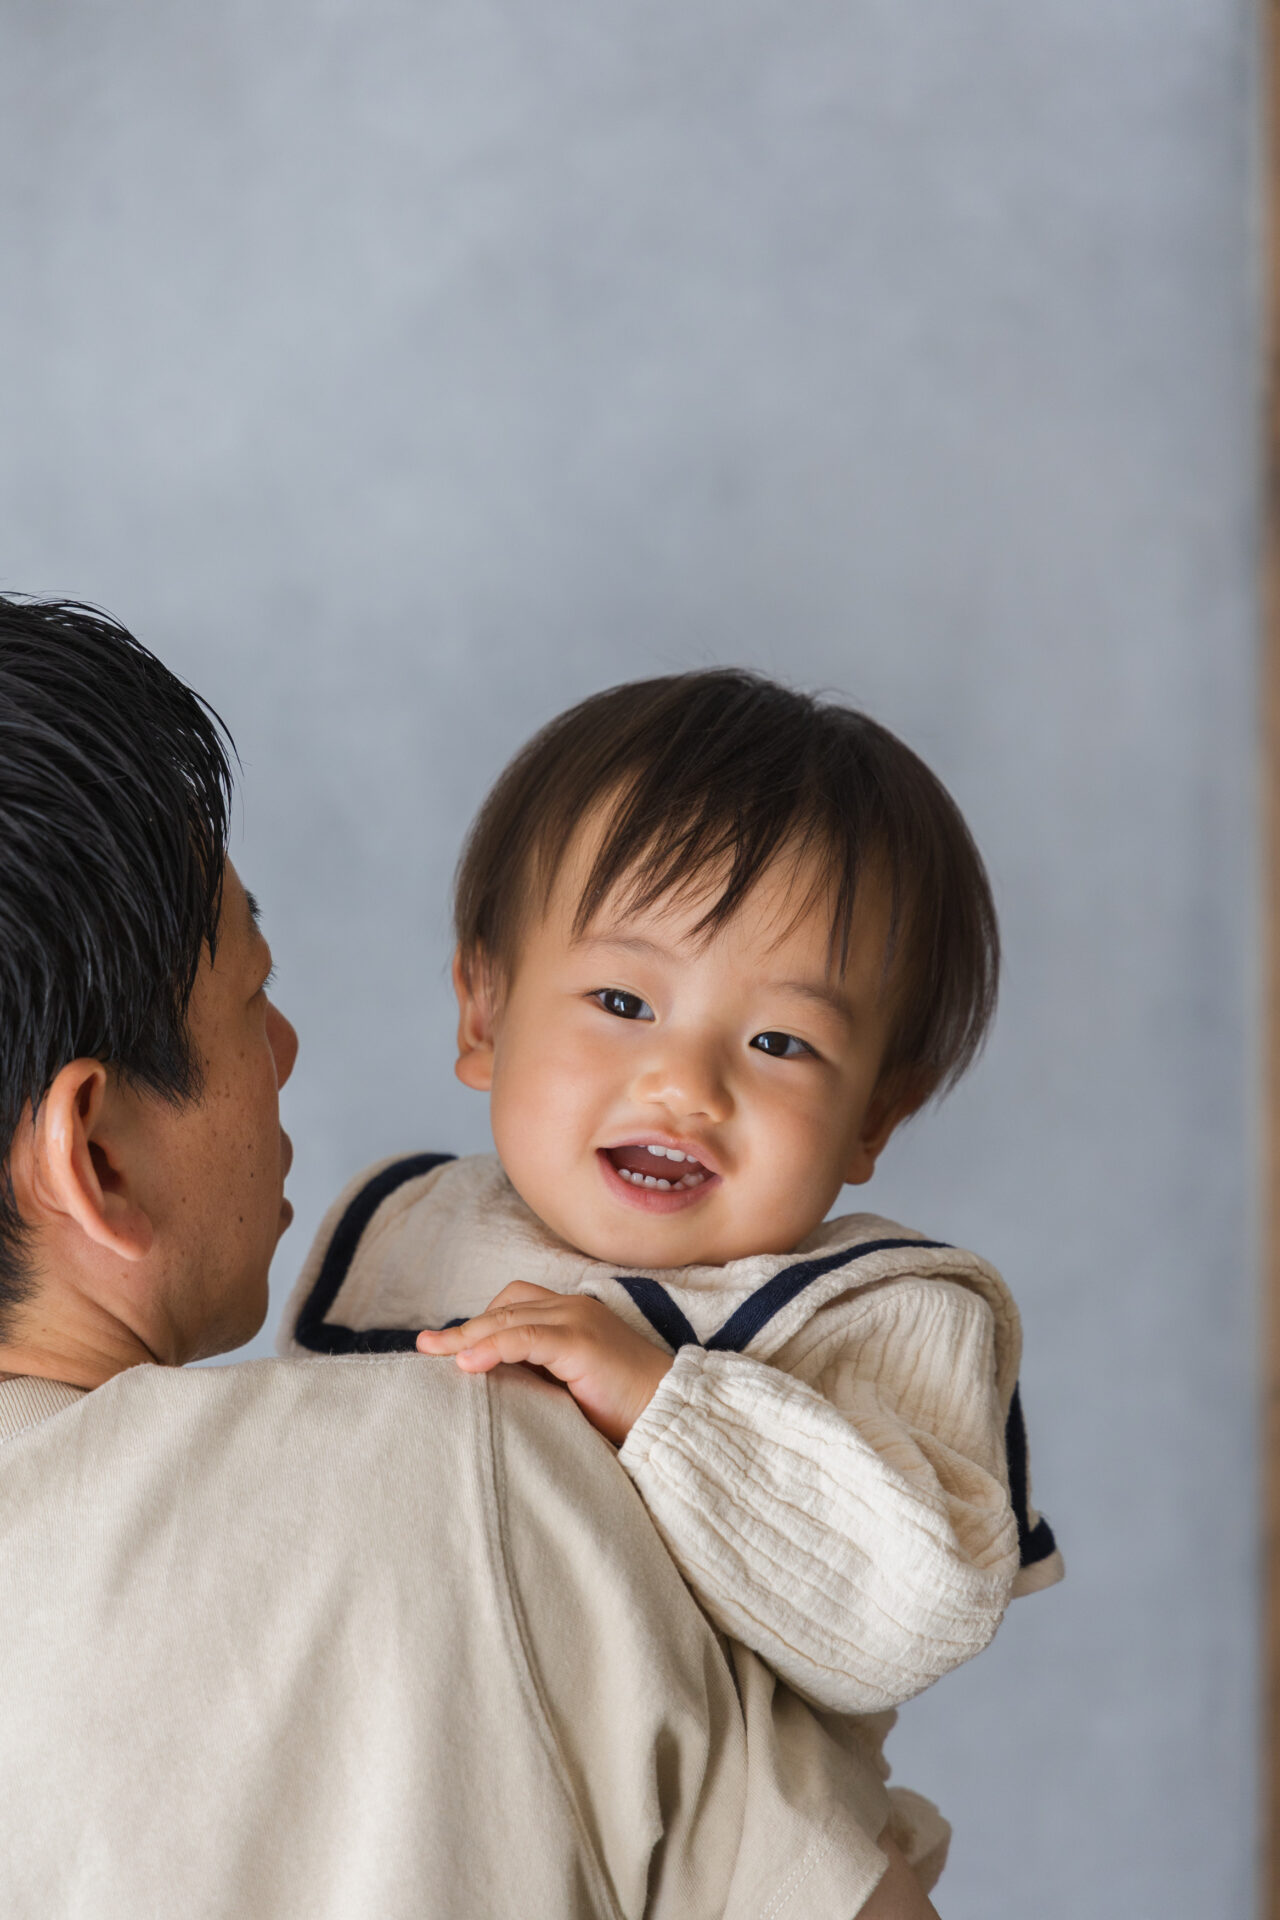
1270	1877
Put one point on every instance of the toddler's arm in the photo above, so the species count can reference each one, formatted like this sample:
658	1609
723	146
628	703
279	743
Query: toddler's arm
852	1525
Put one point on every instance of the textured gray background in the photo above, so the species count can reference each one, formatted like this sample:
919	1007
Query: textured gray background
404	371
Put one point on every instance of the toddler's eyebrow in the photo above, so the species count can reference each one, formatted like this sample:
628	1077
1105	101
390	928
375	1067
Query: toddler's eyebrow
630	943
819	990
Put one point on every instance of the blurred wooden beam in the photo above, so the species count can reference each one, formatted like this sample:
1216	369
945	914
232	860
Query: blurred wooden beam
1270	1902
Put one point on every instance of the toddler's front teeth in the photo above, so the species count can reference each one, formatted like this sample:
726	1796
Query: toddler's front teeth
651	1180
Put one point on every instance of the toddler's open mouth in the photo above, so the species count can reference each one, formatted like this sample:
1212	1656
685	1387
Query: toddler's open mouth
657	1178
659	1167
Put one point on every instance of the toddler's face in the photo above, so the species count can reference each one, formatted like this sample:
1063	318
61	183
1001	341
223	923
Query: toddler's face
661	1101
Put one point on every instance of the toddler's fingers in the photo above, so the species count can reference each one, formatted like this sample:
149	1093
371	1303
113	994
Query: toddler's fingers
479	1359
533	1343
453	1339
442	1340
518	1291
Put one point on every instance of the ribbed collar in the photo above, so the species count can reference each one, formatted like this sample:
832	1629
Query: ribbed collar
27	1401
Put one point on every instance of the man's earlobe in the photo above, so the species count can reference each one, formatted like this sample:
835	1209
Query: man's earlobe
471	983
76	1169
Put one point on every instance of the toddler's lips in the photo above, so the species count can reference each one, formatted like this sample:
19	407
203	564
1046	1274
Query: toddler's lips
656	1178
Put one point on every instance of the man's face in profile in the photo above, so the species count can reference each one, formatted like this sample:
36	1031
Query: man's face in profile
219	1163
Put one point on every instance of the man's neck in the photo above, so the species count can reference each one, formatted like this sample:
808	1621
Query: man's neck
62	1334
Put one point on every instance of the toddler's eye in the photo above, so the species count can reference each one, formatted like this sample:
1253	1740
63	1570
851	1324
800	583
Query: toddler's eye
781	1046
627	1006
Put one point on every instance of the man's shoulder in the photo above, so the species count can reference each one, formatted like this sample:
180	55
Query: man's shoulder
370	1454
292	1396
320	1419
255	1432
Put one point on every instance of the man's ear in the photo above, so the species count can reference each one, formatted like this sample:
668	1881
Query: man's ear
76	1169
889	1106
472	982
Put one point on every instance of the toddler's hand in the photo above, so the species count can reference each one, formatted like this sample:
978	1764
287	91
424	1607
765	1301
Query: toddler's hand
611	1372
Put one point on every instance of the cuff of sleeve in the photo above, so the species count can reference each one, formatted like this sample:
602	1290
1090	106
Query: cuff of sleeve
665	1408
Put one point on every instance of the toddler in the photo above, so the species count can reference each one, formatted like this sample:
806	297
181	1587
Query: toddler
716	940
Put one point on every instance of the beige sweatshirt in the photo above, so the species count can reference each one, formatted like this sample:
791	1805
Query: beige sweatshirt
348	1641
828	1459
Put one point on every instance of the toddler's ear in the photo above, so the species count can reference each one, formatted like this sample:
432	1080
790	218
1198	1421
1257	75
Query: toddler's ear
471	983
886	1111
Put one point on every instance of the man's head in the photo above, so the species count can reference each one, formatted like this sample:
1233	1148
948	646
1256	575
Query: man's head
139	1057
713	917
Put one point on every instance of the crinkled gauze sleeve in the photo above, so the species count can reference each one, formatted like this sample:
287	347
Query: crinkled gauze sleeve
851	1527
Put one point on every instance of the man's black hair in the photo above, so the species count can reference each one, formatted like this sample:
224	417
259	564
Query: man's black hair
115	786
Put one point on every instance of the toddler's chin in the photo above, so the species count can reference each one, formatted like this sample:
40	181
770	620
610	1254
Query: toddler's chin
655	1245
702	1238
627	1243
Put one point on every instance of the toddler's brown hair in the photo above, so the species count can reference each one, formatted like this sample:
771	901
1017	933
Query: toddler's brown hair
706	779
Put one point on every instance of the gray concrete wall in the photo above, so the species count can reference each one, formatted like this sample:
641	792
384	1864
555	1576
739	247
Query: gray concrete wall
404	371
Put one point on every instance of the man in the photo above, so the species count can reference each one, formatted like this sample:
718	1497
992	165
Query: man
322	1638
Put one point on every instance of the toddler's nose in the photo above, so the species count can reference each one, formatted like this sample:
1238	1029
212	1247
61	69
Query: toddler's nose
688	1081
